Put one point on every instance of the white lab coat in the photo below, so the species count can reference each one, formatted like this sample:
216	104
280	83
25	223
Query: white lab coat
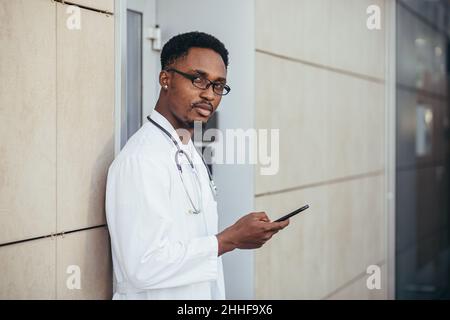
159	249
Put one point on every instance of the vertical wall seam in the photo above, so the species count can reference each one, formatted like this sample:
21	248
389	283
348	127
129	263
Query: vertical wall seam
56	149
390	145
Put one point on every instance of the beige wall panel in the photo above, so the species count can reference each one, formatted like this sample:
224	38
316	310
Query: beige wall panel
27	119
357	289
356	227
294	263
85	118
331	125
325	32
28	270
340	235
90	251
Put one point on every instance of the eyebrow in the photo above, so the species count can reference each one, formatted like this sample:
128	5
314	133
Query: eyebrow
204	74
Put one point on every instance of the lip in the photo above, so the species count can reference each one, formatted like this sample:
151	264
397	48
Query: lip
203	109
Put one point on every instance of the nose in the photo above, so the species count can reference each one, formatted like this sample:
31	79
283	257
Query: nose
208	94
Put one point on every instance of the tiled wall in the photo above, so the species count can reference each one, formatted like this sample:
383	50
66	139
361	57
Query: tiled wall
57	128
320	79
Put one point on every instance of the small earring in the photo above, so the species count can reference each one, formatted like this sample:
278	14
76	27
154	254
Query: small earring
166	87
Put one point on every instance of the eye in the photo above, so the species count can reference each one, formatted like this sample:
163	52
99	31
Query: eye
198	80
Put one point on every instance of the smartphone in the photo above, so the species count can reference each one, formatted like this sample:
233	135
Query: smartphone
293	213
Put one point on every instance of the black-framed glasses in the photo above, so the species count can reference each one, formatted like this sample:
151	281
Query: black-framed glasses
203	83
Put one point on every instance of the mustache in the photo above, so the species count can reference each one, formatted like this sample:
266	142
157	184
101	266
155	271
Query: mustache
203	103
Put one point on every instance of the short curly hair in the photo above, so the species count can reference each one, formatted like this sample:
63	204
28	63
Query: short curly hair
179	45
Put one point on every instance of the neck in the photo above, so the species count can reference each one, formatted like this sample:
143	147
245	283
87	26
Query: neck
180	126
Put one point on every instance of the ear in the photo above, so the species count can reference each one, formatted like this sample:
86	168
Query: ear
164	79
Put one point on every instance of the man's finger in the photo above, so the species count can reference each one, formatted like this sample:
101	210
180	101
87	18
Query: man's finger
279	225
261	216
274	226
284	224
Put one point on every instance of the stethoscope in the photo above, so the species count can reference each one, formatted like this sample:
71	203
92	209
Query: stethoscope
179	153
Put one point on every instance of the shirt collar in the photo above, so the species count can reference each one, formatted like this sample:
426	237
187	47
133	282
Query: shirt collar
163	122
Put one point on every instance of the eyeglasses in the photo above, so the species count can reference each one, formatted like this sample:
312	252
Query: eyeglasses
203	83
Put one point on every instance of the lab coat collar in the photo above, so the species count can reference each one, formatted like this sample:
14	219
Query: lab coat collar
163	122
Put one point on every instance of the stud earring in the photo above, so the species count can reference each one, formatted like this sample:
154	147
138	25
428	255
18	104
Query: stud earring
166	87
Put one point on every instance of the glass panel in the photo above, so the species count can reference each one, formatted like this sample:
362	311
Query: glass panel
134	72
422	174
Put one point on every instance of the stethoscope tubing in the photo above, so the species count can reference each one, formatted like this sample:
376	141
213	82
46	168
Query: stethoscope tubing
180	169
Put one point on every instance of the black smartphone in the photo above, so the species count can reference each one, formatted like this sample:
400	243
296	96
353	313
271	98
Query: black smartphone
293	213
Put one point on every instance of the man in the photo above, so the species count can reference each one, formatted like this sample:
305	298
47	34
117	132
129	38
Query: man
160	206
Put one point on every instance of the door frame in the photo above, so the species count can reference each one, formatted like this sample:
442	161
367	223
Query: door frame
150	59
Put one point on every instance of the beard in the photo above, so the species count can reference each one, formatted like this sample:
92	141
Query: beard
190	124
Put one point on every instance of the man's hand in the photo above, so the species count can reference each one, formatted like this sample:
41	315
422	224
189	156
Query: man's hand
249	232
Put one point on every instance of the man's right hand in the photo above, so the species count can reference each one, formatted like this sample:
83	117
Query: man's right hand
249	232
